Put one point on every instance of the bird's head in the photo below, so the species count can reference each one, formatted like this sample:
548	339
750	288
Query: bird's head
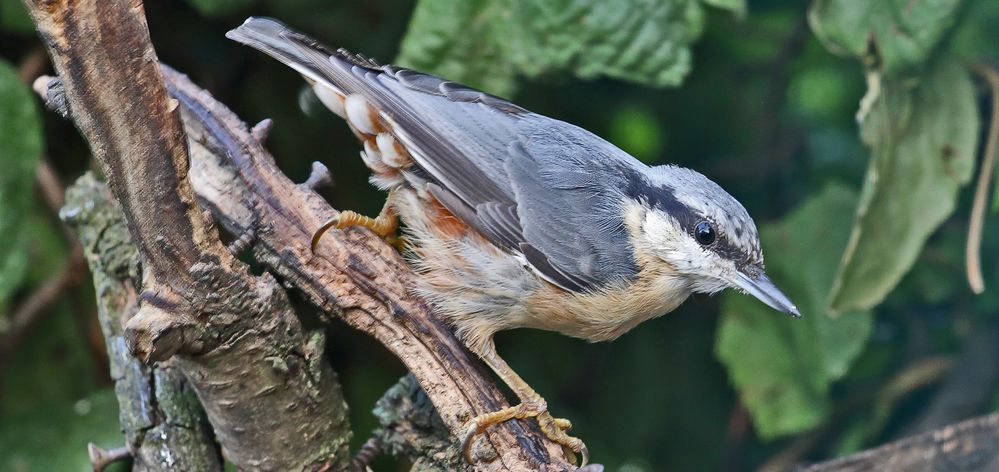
700	233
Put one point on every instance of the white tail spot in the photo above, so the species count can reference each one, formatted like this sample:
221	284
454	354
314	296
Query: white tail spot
359	114
392	153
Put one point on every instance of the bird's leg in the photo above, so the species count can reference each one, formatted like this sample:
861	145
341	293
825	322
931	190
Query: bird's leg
385	225
531	405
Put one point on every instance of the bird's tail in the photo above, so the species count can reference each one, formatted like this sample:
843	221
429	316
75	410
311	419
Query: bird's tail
306	55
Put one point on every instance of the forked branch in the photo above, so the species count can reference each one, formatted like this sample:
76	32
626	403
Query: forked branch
271	397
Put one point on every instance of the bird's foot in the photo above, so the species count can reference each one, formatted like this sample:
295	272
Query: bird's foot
385	225
554	428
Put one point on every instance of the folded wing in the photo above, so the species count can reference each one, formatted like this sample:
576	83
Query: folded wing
532	185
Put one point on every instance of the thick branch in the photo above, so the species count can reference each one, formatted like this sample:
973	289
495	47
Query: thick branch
103	55
165	427
353	275
267	390
969	446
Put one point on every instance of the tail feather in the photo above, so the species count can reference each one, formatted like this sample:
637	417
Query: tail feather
304	54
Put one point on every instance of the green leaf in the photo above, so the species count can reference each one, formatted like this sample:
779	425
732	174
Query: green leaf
488	43
923	142
14	17
783	367
219	7
55	438
891	36
464	40
978	32
20	146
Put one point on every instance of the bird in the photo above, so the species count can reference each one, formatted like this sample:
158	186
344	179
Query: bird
517	220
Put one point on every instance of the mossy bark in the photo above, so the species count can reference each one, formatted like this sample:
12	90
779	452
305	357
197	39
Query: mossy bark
164	425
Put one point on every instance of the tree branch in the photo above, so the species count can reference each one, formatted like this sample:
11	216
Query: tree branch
270	395
969	446
411	427
165	427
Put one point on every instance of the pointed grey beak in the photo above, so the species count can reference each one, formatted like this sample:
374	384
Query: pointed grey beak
762	288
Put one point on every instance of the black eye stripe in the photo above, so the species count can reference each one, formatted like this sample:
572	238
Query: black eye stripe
662	198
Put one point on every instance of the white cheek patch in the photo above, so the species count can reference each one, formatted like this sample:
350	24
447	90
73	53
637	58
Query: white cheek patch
671	242
664	232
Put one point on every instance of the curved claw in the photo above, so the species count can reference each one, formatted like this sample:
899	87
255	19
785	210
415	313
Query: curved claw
585	456
322	230
466	442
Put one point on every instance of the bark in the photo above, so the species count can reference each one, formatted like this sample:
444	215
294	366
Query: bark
969	446
271	397
411	428
165	427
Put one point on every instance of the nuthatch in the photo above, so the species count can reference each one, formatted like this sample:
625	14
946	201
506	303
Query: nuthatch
518	220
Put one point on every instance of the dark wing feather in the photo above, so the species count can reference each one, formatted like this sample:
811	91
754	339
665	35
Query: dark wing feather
526	182
568	186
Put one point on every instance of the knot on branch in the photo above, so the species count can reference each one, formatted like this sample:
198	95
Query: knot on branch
155	334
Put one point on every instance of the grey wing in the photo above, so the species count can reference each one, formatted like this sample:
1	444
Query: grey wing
524	181
569	192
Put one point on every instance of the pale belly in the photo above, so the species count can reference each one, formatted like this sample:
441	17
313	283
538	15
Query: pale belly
480	289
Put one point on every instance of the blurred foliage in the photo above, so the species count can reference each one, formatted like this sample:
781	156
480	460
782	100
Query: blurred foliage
890	36
219	7
922	128
489	43
925	139
867	217
20	146
14	17
784	369
28	442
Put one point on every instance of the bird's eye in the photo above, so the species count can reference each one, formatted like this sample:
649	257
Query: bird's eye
704	233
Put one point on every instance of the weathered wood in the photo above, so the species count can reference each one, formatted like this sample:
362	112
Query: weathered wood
969	446
164	425
353	275
266	387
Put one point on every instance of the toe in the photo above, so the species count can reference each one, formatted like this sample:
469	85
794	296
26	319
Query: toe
562	423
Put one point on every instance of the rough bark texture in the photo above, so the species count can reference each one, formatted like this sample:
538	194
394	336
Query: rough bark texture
411	428
353	275
970	446
272	399
164	425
